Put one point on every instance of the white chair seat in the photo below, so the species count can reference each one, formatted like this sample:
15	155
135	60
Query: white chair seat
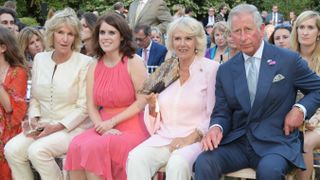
249	173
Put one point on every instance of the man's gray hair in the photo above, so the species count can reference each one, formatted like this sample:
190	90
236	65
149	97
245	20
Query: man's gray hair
246	8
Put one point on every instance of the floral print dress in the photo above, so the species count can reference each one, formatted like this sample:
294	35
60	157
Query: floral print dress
15	85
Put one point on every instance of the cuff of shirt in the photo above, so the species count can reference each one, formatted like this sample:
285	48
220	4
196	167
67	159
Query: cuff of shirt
216	125
304	110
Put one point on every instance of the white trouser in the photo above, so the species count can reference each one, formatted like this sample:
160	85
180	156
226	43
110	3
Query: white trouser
40	152
143	162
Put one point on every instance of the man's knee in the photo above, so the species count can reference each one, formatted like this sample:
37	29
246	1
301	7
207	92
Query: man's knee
270	173
272	167
206	162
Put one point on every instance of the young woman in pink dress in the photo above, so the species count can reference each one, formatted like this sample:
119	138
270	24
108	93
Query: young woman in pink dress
113	105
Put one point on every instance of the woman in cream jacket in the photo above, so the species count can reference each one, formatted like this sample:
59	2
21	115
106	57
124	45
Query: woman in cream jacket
58	102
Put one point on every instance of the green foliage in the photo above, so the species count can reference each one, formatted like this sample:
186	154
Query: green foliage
315	5
285	6
96	5
29	21
200	7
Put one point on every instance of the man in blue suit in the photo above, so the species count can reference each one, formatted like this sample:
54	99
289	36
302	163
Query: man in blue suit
151	52
274	17
255	119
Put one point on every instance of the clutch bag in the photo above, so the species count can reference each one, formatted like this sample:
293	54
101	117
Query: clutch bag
162	77
30	128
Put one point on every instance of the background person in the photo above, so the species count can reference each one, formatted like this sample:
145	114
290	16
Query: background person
152	53
156	35
275	17
292	17
13	6
210	18
306	40
209	29
149	12
281	36
268	30
222	15
218	38
58	102
8	19
178	11
119	9
88	21
232	46
31	42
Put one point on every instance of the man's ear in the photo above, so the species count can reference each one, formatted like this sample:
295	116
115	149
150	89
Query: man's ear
262	27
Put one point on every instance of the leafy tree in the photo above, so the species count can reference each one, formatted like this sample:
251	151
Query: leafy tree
32	8
285	6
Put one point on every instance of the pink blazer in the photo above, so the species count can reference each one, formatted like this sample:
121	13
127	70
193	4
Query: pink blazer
183	108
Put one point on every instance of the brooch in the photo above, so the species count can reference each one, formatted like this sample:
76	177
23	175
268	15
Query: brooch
271	62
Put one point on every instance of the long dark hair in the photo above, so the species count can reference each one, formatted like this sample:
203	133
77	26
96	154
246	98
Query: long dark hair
13	54
127	47
91	19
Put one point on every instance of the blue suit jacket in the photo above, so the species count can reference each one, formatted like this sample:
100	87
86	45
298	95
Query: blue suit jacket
157	54
269	18
263	122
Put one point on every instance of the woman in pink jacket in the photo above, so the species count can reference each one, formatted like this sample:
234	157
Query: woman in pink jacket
184	109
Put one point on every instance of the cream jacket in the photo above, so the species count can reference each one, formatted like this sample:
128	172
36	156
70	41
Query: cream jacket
58	92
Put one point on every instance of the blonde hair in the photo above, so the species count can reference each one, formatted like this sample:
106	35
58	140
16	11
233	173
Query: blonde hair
51	12
69	18
25	36
314	61
221	26
193	28
178	9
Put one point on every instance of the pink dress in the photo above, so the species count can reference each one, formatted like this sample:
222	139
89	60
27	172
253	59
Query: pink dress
106	155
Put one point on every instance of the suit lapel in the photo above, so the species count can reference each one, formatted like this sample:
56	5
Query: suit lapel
266	75
134	8
240	82
139	52
145	8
